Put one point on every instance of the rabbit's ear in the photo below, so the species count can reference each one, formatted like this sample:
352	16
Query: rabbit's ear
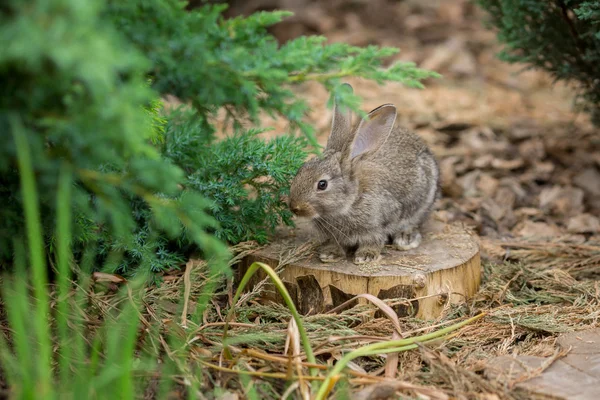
341	125
373	131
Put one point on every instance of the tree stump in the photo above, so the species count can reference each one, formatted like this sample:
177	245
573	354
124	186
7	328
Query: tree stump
444	268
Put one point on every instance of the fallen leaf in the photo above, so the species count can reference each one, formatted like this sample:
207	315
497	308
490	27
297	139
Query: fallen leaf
583	223
201	351
563	201
487	184
543	169
380	391
490	249
104	277
589	181
469	183
532	150
507	164
523	127
493	209
528	212
483	161
506	198
448	177
452	127
532	229
484	140
464	63
443	54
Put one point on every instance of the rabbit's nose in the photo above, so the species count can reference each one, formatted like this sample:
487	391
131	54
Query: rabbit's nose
295	209
302	210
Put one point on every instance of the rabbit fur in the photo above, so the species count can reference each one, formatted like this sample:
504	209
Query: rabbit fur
381	182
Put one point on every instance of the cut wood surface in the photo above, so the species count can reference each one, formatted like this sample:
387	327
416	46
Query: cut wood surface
444	268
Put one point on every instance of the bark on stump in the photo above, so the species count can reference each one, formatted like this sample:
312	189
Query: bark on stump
444	268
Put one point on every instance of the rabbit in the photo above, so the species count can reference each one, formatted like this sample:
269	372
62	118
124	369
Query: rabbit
374	183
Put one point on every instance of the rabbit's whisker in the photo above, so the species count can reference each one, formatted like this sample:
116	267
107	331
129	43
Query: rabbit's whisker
335	228
320	229
329	231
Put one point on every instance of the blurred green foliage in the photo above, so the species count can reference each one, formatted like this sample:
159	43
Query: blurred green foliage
78	90
83	80
561	37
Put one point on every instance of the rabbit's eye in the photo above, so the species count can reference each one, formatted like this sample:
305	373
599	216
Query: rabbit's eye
322	185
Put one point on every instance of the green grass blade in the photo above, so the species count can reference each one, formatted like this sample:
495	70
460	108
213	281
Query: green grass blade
128	351
116	374
63	246
193	389
165	373
8	362
44	382
288	301
16	298
79	354
89	382
385	347
250	391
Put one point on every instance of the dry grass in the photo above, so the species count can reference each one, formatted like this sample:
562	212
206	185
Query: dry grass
541	292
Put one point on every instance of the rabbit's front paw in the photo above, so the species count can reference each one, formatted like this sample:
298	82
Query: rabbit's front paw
364	256
407	240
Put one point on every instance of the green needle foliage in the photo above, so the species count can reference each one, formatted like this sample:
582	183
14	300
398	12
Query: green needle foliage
245	177
561	37
83	81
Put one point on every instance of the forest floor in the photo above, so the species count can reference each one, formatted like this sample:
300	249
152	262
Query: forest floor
519	166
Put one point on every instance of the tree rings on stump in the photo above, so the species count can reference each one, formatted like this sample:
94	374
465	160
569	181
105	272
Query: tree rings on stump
444	268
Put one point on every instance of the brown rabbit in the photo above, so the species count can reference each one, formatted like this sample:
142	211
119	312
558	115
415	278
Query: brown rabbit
375	182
